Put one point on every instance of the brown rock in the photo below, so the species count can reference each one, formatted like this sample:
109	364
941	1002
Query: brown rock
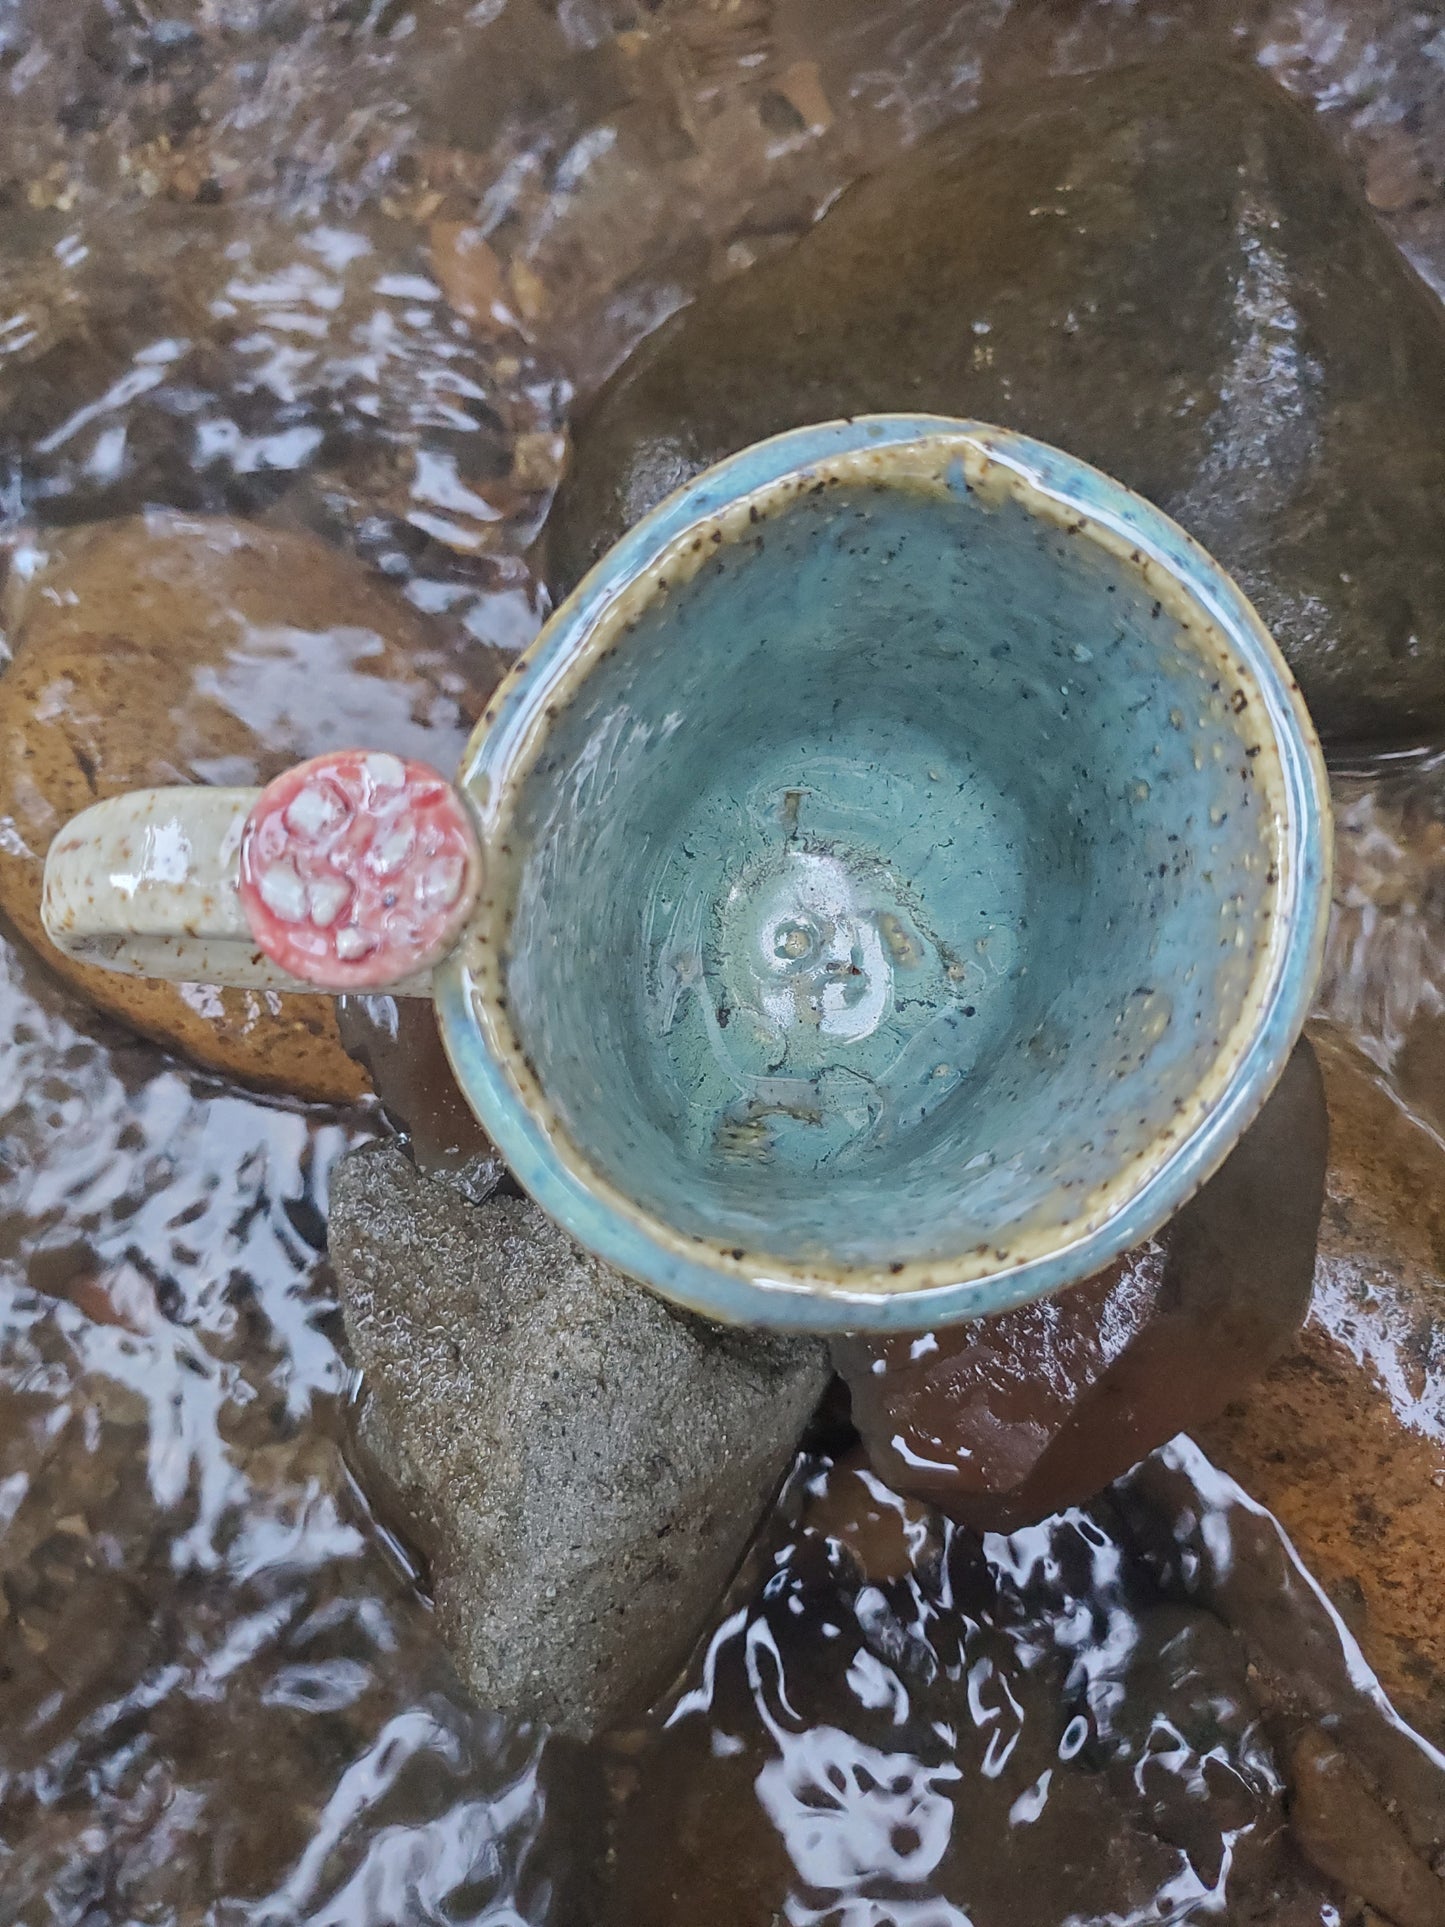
879	1535
1008	1419
1204	1539
1345	1439
1163	269
170	649
1384	975
471	275
1342	1829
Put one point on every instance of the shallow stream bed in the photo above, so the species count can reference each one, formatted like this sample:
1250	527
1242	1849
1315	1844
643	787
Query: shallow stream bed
349	268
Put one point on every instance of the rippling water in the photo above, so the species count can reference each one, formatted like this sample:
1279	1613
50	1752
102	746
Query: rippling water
1384	978
346	267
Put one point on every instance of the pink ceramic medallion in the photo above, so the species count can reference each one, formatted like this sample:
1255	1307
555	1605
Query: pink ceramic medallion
358	869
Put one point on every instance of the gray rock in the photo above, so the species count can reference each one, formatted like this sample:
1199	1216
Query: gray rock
1165	270
583	1466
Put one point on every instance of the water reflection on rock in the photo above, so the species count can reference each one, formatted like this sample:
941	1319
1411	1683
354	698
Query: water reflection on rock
315	375
217	1682
1003	1421
1034	1731
1384	976
1345	1439
1206	1540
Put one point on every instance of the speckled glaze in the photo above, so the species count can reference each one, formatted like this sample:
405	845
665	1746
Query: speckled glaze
906	872
146	884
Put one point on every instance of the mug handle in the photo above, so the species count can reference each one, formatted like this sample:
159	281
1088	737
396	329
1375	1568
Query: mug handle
354	871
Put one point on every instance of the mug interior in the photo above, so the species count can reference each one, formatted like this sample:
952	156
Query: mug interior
889	878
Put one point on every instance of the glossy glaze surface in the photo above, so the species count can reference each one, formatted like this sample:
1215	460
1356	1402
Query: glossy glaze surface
903	853
358	869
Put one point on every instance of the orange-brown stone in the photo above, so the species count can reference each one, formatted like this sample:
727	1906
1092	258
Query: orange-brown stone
1344	1441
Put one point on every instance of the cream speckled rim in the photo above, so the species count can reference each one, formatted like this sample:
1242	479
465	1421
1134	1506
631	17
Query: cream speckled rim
756	1288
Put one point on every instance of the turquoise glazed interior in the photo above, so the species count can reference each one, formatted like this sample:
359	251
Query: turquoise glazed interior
905	863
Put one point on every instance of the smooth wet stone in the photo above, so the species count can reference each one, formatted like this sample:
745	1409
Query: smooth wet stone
582	1466
1344	1441
176	649
1165	270
1008	1419
1344	1831
1383	981
397	1042
897	1723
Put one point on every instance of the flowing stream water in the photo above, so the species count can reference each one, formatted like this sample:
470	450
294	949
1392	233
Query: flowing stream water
230	281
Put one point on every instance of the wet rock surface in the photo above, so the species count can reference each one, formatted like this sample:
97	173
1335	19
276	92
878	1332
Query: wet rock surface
174	649
898	1720
1384	975
1354	1841
1373	1823
1006	1420
222	1694
1344	1441
584	1466
1164	270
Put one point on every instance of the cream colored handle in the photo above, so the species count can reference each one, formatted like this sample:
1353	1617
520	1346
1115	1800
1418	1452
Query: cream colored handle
149	884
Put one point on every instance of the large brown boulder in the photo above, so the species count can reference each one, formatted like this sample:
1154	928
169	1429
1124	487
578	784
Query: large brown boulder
1165	270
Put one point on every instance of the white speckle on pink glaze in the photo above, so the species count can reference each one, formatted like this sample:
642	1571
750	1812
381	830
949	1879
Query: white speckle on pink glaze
387	772
326	898
441	883
318	807
358	869
389	852
283	892
352	944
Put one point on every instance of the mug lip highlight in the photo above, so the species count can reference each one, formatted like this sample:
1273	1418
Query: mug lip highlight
734	1286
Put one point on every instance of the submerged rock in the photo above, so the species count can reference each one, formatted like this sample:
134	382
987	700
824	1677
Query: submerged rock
176	649
1344	1441
897	1722
583	1466
1165	270
1384	974
1003	1421
1343	1830
1204	1540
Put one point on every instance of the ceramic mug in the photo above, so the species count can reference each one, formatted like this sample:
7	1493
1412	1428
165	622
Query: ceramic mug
882	894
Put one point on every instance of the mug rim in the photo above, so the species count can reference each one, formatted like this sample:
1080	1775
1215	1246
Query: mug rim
738	1287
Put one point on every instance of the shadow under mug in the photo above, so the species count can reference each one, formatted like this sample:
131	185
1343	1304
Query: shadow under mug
882	895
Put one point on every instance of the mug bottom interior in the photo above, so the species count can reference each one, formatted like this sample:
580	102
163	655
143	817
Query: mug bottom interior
836	939
894	874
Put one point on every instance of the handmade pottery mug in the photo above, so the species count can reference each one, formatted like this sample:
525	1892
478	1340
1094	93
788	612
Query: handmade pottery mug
882	894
